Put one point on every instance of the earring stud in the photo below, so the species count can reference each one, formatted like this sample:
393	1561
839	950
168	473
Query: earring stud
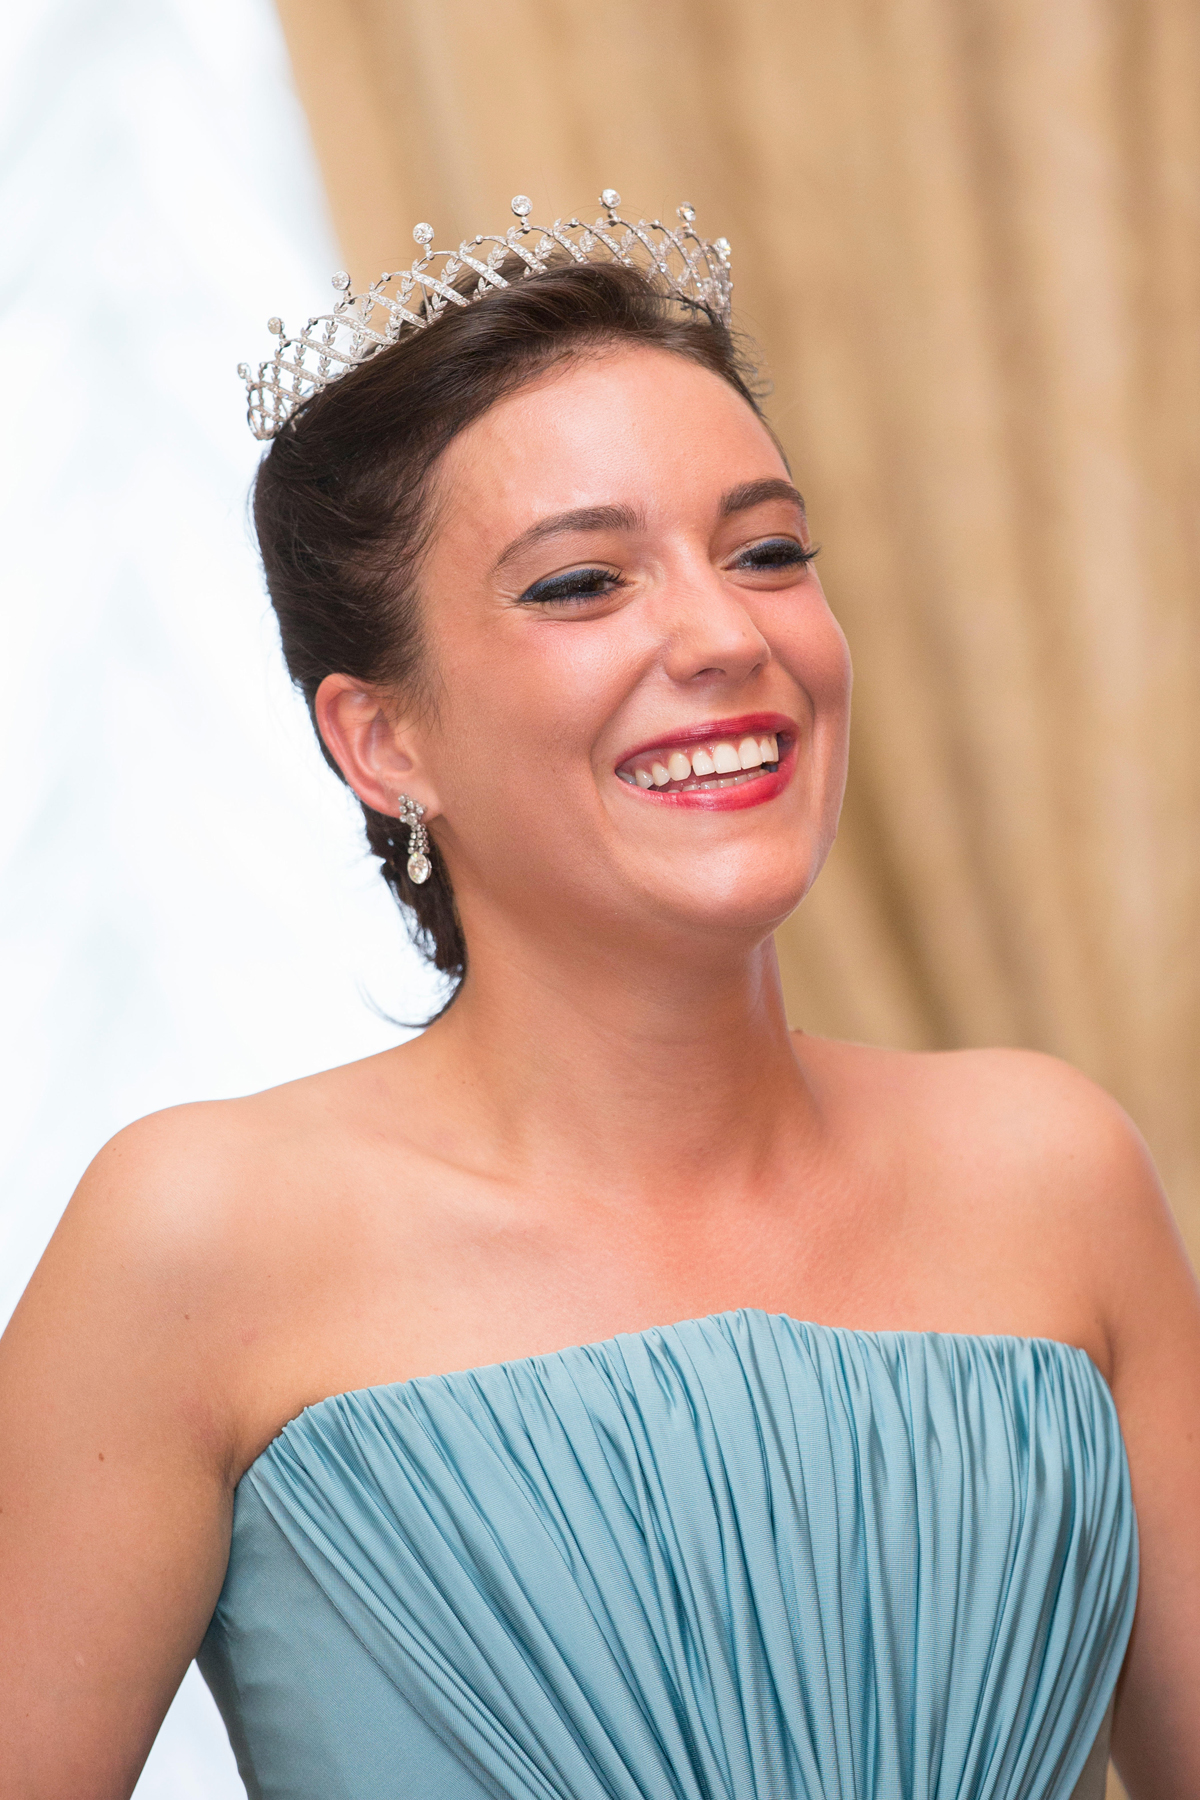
411	812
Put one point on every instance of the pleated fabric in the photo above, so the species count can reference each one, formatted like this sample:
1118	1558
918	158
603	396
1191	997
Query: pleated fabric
737	1558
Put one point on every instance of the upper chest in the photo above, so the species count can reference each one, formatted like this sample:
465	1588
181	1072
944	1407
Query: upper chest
376	1271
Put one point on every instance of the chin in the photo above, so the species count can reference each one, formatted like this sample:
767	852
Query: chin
739	897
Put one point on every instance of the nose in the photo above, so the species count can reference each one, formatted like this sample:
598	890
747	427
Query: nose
711	637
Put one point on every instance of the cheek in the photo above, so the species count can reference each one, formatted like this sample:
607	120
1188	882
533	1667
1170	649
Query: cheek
542	688
519	712
810	644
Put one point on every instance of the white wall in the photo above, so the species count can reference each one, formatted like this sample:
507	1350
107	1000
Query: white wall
185	906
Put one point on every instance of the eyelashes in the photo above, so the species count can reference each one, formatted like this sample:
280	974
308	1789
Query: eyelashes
573	584
776	553
578	586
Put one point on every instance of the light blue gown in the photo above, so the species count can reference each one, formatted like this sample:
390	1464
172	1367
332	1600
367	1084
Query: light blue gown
739	1558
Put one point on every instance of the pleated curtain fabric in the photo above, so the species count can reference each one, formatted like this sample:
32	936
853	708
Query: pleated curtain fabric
967	238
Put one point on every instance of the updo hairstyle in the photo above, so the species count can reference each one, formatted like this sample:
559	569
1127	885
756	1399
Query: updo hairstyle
342	497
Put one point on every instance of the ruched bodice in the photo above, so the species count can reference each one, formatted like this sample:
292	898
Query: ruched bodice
739	1558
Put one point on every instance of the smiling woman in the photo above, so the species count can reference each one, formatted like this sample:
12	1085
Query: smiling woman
626	621
611	1392
344	508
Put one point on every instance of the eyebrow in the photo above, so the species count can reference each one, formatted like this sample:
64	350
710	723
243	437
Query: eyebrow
628	518
581	518
754	493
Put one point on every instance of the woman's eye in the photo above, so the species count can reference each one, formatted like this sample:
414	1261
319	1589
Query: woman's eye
574	585
774	553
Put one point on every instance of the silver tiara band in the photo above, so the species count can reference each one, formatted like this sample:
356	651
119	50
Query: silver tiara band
361	325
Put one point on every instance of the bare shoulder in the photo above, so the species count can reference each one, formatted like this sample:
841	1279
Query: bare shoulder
1014	1111
1026	1112
173	1191
194	1180
190	1232
1037	1170
1017	1102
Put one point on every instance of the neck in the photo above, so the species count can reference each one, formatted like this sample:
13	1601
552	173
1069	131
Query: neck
648	1074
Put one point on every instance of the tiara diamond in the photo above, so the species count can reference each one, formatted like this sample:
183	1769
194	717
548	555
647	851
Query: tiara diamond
690	268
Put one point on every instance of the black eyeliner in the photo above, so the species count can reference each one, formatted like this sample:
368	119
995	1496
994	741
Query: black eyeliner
798	555
576	584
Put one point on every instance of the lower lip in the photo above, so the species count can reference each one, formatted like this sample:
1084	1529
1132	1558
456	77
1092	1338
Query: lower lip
730	799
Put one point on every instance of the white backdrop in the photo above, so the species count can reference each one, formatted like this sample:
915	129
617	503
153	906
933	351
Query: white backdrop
187	909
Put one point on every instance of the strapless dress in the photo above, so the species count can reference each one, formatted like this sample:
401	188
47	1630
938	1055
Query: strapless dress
738	1558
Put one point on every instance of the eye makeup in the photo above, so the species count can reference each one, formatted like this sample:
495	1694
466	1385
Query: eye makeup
775	553
578	585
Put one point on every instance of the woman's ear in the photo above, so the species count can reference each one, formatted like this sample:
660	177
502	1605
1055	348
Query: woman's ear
374	745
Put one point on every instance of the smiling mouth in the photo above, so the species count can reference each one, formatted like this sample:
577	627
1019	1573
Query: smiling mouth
724	763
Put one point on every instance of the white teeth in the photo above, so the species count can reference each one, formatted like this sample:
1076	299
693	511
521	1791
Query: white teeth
727	761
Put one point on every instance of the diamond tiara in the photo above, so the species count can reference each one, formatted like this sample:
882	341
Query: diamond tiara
360	325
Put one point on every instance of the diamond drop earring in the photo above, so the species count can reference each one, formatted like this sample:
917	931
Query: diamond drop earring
411	813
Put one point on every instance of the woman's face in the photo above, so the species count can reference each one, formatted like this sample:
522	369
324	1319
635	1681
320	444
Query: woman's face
641	697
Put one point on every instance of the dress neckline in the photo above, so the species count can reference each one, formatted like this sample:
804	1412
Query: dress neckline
599	1347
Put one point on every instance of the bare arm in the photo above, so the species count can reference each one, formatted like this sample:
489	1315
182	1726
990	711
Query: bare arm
1156	1384
1074	1231
115	1475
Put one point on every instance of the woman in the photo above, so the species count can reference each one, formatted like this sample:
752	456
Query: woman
543	576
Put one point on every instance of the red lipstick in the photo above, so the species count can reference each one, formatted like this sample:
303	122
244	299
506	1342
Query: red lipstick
753	789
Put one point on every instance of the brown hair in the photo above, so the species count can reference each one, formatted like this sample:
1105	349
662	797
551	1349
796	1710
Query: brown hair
342	497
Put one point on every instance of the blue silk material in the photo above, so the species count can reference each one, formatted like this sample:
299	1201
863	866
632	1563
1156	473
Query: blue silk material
739	1558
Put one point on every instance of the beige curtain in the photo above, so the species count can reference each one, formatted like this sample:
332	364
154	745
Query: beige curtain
967	236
